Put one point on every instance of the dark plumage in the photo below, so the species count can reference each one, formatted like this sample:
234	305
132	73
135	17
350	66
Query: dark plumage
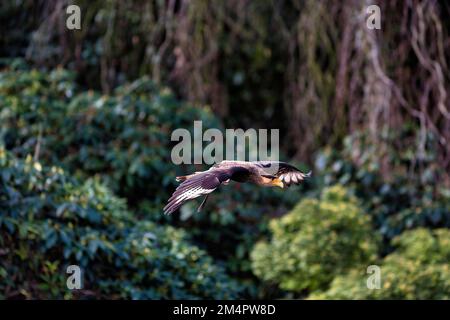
263	173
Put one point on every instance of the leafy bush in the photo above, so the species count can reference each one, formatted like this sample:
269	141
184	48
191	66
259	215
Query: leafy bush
49	220
418	269
396	202
317	240
124	139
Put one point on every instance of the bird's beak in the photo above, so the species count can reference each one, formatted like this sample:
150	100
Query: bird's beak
278	183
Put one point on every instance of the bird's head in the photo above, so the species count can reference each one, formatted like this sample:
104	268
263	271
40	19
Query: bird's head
277	183
271	181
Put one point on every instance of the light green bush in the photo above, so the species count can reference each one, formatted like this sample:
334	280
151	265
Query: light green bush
418	269
317	240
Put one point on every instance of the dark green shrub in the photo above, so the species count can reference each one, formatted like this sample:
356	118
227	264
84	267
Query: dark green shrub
418	269
408	198
49	220
317	240
124	139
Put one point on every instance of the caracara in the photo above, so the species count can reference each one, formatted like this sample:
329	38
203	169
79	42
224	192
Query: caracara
262	173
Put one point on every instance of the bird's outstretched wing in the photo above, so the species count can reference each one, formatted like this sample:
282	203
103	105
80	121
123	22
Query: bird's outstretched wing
200	184
283	171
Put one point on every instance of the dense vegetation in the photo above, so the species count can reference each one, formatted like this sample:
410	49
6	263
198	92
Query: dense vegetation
50	220
124	140
85	124
418	269
317	240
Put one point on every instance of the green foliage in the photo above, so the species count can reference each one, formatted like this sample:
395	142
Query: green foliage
317	240
423	245
124	139
396	202
119	144
251	64
418	269
50	220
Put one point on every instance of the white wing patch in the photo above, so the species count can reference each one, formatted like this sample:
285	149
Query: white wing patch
294	177
192	194
197	185
286	178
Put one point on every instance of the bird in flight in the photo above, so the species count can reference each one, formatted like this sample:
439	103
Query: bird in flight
262	173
